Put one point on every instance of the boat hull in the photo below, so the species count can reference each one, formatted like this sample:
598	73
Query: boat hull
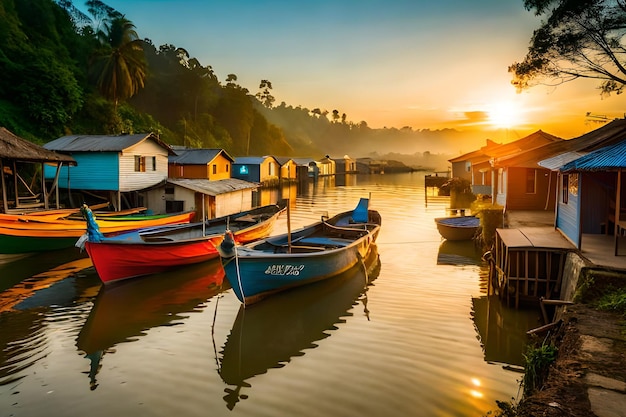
458	228
285	326
144	253
24	237
138	260
256	271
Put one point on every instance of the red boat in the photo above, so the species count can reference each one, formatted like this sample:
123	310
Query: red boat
157	249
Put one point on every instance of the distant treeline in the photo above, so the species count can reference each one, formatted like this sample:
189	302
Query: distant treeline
54	61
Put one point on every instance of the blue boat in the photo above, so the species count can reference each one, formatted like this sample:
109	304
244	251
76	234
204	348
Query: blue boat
313	253
458	228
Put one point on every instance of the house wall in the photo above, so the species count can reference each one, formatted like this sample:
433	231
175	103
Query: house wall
189	171
462	169
222	168
568	213
500	186
481	178
233	202
597	202
220	165
327	167
289	170
253	173
270	170
519	199
155	200
95	171
131	180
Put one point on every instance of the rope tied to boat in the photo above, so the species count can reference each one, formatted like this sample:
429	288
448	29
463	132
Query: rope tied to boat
228	250
93	233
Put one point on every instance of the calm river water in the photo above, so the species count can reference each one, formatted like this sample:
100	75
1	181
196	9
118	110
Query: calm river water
421	339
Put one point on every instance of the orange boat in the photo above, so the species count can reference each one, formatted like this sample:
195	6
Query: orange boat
17	237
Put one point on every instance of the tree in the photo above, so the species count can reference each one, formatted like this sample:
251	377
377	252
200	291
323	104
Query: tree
578	39
265	96
118	67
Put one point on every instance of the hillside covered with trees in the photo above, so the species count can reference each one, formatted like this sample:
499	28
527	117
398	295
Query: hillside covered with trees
67	72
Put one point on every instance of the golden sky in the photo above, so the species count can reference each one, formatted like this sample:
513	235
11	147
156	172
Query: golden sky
391	63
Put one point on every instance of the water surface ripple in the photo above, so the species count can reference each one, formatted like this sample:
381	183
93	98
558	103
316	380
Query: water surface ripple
415	336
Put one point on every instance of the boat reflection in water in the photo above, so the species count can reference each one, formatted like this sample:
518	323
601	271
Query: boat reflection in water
458	252
125	310
268	334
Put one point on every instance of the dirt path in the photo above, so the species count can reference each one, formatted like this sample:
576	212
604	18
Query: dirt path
589	376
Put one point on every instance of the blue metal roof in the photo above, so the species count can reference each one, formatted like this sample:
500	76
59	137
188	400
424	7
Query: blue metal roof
603	159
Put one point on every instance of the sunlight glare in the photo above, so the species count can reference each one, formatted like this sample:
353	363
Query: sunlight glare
505	114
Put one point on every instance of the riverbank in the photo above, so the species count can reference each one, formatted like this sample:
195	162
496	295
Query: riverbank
588	377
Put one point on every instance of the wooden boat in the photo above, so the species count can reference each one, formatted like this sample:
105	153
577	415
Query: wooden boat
458	227
152	250
18	237
288	324
312	253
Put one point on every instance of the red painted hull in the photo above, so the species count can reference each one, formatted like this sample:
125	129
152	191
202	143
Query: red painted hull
115	263
119	260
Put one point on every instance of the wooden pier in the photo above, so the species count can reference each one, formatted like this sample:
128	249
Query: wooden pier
528	263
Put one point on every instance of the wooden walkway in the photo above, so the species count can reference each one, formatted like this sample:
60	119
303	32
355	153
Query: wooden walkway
534	237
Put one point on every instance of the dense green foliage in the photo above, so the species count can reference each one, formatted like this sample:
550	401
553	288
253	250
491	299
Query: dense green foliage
66	72
577	39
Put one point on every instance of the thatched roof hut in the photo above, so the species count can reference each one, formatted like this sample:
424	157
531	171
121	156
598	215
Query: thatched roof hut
16	192
13	147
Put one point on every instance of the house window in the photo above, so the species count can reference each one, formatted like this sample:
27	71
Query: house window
169	189
214	169
573	184
243	170
227	167
531	180
565	189
154	163
140	163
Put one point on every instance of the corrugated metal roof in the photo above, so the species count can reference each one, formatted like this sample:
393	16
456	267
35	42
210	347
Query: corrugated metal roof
253	160
558	161
606	135
603	159
102	143
282	160
197	156
15	148
213	188
303	161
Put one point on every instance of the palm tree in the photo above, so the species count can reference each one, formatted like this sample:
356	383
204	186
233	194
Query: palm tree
119	67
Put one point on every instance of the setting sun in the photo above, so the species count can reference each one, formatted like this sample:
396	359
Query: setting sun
505	114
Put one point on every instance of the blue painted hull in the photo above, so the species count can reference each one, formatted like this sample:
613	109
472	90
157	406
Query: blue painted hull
268	266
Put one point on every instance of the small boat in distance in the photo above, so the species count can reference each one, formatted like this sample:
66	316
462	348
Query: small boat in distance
312	253
458	227
158	249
